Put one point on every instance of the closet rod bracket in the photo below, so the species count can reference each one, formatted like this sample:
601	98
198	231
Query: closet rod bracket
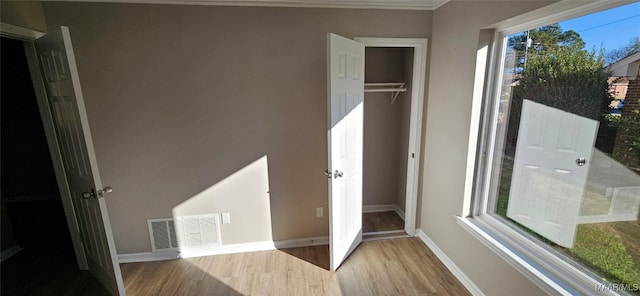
394	88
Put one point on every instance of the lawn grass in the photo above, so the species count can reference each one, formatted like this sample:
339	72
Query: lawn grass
606	253
609	249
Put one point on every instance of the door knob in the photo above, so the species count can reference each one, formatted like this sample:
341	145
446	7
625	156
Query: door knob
105	190
337	174
89	194
327	173
581	161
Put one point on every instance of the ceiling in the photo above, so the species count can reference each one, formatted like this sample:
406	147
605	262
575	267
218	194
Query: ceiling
363	4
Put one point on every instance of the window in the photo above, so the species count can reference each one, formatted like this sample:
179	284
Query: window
559	179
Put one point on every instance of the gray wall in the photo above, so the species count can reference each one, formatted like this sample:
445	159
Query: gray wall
386	128
198	109
158	79
456	28
26	14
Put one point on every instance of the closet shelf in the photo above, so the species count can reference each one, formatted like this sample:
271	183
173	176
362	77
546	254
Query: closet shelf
395	88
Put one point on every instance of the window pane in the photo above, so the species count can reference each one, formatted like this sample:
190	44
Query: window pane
565	164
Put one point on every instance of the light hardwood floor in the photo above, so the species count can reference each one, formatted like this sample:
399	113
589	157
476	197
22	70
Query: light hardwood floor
381	221
385	267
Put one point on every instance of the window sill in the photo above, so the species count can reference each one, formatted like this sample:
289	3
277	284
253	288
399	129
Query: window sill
538	264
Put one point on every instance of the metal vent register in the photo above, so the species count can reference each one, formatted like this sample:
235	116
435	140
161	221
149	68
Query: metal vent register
184	232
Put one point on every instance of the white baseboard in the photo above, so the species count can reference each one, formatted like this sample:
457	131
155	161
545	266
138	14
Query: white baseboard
457	272
400	231
225	249
247	247
148	256
383	208
6	254
379	208
302	242
228	249
376	238
400	212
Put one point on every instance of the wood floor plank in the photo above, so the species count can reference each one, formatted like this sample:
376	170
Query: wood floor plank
381	221
385	267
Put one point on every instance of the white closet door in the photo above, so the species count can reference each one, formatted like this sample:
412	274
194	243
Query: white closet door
345	79
72	129
549	176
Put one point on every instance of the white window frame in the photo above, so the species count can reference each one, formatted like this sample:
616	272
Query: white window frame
553	272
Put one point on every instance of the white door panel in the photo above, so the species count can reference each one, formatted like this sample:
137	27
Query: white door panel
72	129
547	184
346	124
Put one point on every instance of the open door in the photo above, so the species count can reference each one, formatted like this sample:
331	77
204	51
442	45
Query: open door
345	80
550	171
70	120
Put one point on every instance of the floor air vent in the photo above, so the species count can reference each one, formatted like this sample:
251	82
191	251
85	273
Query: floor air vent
184	232
163	234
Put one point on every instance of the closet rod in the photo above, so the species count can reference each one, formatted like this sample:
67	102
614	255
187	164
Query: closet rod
385	84
395	88
385	90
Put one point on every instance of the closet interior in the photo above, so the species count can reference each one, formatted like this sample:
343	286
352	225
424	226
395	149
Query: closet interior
387	109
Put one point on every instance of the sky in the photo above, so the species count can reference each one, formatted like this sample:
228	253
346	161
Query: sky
610	29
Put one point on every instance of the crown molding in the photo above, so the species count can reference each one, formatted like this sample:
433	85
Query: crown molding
438	3
355	4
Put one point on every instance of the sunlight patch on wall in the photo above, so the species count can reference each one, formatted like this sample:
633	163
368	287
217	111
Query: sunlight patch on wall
244	195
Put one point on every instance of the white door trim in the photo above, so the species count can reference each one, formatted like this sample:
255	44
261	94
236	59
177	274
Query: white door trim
419	46
28	36
20	33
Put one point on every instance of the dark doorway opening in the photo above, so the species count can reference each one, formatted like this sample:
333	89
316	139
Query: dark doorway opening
35	236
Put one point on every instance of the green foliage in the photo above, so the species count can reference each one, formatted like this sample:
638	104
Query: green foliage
502	201
629	128
605	253
565	78
543	39
568	79
547	37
